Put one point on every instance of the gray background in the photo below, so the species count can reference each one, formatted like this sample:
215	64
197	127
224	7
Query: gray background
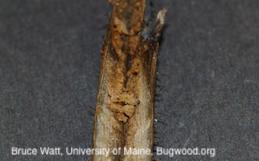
208	79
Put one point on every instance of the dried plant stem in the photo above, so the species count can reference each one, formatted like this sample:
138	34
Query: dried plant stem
124	111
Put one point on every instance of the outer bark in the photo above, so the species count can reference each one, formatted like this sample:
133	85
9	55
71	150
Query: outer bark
124	111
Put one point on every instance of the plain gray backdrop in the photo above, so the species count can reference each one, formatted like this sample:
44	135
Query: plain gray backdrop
208	76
